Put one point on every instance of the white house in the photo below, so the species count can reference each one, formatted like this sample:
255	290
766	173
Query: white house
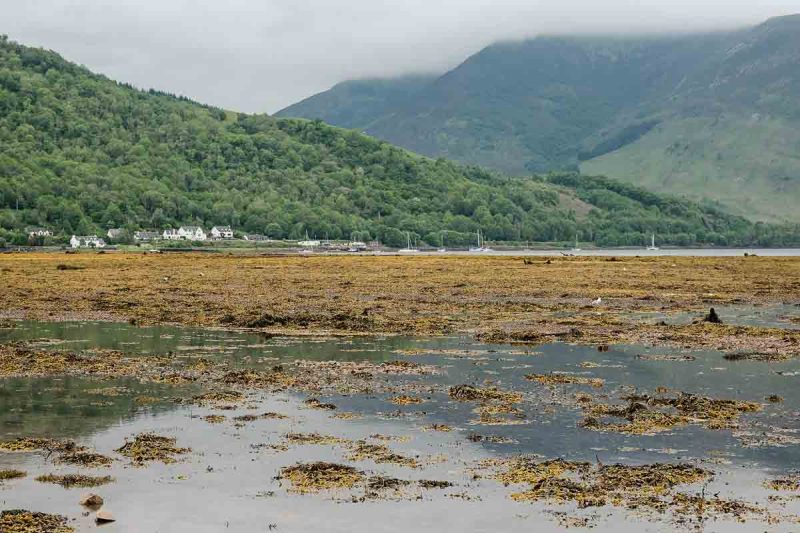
172	235
89	241
192	233
146	236
255	237
115	233
39	232
221	232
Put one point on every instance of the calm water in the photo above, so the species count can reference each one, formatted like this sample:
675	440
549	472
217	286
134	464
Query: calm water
228	480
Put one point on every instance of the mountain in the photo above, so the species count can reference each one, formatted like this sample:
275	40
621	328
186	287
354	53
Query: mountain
357	104
712	116
80	153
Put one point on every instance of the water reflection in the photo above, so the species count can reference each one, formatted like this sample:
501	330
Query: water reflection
228	481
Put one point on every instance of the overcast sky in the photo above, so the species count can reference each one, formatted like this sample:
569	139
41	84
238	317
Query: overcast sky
261	55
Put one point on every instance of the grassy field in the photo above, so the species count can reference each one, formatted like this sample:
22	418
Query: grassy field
732	160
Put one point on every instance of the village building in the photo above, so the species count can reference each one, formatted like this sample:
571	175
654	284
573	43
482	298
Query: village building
221	232
38	232
115	233
255	237
146	236
88	241
192	233
171	235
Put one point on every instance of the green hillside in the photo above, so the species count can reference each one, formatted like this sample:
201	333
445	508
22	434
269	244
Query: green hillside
80	153
714	116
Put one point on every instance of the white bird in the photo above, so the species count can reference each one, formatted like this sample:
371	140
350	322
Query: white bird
597	302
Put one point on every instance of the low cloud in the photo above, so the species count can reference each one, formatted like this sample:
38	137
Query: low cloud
261	55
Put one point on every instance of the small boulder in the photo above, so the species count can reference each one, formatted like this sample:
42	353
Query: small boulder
103	517
91	500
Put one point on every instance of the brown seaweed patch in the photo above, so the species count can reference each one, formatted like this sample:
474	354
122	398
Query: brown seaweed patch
494	439
560	490
646	414
215	419
786	483
312	438
655	478
314	477
20	359
147	447
469	393
75	480
348	416
11	474
443	428
404	399
315	403
219	397
362	451
558	481
32	444
21	521
702	507
84	458
666	357
565	379
525	470
498	414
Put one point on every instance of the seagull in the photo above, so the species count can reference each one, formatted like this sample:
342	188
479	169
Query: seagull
597	302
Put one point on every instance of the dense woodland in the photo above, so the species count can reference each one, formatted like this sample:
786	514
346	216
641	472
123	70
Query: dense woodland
80	153
710	116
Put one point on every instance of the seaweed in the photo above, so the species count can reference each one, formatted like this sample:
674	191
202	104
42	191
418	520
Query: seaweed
318	476
362	450
75	480
147	447
11	474
21	521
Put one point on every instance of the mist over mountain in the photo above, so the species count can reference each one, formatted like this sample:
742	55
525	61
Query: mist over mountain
712	116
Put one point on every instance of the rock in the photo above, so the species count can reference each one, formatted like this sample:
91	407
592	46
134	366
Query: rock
712	317
104	516
91	500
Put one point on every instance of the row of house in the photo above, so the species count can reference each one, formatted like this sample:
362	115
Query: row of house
87	241
185	233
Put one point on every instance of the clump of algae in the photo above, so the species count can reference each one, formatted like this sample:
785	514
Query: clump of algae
790	482
147	447
84	458
313	438
646	415
21	521
217	398
33	444
469	393
496	407
404	399
362	450
559	481
565	379
317	476
11	474
75	480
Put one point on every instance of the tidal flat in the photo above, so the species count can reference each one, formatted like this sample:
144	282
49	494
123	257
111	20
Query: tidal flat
207	393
